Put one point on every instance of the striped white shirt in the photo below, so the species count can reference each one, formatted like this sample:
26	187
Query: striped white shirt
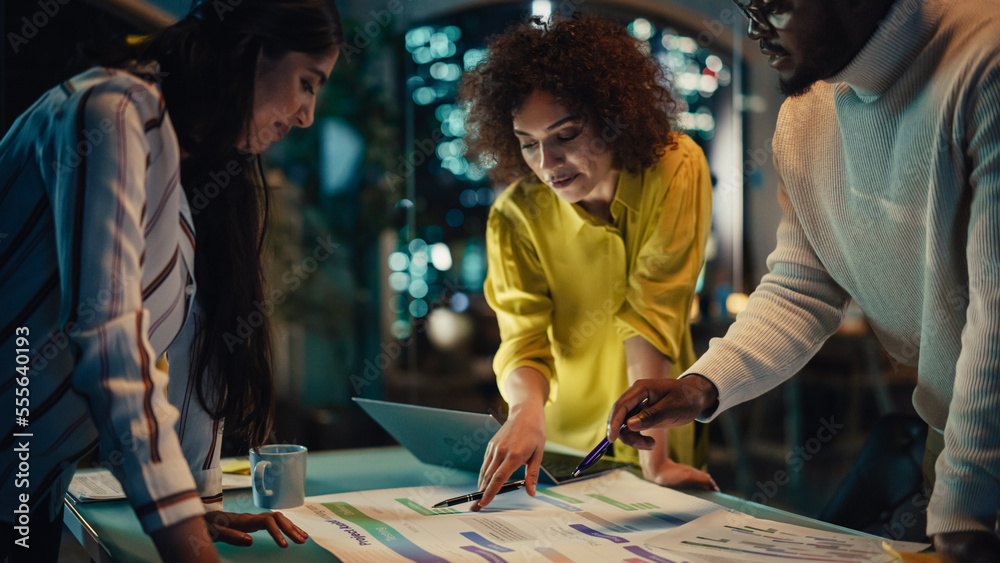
96	265
891	196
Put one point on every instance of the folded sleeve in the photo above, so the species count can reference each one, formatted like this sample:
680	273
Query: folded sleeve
663	274
967	491
517	290
100	248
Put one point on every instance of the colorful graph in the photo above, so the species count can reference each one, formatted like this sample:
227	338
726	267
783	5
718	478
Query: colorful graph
380	531
668	518
560	496
558	503
425	511
595	534
740	536
478	538
613	502
616	528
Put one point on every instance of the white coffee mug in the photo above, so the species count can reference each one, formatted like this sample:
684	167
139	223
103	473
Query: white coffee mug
279	475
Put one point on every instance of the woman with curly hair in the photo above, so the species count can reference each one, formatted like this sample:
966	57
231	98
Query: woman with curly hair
594	248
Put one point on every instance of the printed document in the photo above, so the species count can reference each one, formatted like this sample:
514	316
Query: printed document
614	517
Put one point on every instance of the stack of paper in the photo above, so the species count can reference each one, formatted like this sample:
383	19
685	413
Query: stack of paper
94	485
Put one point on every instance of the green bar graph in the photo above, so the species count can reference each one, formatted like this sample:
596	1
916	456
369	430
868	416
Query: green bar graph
425	511
415	507
645	505
612	502
559	496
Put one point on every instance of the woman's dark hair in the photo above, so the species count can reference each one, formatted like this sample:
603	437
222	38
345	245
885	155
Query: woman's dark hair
207	68
591	65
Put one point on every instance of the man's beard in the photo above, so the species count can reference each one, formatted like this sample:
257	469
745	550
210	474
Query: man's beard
828	60
800	83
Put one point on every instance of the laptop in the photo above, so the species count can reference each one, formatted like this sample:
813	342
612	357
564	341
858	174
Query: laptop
458	439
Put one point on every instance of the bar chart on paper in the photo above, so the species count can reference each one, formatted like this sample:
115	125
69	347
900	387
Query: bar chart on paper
607	518
425	511
624	505
734	536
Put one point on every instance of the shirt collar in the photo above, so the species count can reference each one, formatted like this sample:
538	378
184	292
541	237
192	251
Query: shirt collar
895	44
628	194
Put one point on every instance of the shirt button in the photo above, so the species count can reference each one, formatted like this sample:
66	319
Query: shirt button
189	290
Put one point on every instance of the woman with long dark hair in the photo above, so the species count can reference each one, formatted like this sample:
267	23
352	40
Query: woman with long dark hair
134	204
595	246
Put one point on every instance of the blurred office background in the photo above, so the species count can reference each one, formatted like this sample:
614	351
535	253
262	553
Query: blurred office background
396	311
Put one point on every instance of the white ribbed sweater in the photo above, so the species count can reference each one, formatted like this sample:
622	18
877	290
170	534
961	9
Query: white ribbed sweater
891	195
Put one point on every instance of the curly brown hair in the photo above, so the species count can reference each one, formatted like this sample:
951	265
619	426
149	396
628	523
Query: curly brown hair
591	65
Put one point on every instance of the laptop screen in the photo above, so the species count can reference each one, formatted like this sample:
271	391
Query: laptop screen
458	439
436	436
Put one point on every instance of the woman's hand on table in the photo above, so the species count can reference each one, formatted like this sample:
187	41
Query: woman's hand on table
520	441
233	527
681	476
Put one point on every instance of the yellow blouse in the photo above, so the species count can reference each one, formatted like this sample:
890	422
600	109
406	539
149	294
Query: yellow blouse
568	289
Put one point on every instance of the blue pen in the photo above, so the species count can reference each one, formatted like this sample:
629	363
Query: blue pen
597	452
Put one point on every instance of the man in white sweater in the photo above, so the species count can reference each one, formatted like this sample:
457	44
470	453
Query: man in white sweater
888	150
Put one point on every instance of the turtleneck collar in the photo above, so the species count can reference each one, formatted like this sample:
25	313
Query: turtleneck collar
900	36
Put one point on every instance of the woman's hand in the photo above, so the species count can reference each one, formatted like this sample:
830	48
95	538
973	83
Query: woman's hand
232	527
187	540
520	441
680	476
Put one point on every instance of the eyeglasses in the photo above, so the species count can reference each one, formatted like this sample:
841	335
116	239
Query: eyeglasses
766	16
